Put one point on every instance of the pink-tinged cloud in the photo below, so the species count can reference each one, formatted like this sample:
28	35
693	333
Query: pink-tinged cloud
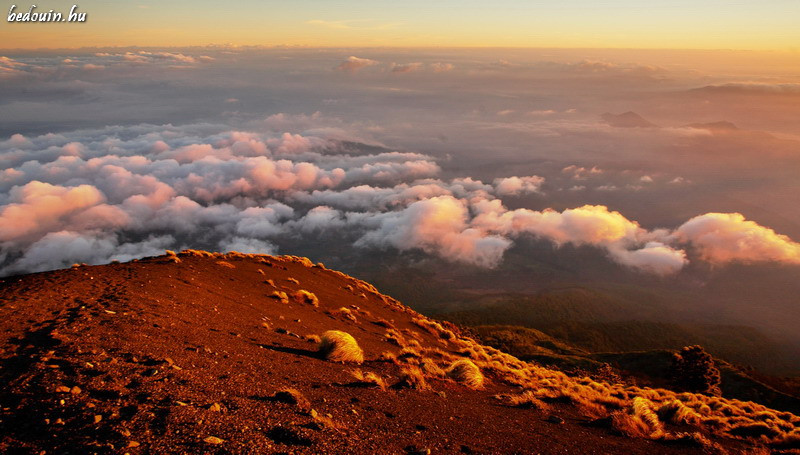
729	237
517	186
439	225
353	64
655	257
39	206
440	67
406	67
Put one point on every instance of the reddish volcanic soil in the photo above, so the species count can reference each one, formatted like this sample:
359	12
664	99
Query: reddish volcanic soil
159	357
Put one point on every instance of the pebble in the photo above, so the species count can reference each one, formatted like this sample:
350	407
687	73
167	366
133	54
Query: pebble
213	440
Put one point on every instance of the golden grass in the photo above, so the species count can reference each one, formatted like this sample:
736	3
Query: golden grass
345	313
280	296
368	379
303	296
411	377
467	373
340	346
526	399
292	396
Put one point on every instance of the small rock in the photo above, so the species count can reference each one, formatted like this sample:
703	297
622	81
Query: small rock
213	440
215	407
75	390
62	389
133	444
98	418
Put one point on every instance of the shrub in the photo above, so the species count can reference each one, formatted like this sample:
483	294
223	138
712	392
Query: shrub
368	379
526	399
678	413
387	356
430	368
340	347
693	370
411	377
292	396
345	313
281	296
303	296
466	372
639	421
384	323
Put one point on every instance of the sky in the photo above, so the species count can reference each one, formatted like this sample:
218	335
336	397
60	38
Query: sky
678	24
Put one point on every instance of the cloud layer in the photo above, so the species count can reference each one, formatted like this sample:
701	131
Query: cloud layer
125	192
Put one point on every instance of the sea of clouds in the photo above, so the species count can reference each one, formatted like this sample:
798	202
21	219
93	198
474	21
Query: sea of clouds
122	154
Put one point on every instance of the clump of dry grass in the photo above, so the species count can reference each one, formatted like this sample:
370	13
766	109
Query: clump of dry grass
270	282
292	280
368	379
430	368
434	328
345	313
292	396
640	421
384	323
303	296
754	430
197	253
394	337
304	261
340	346
467	373
313	338
526	399
388	356
678	413
411	377
280	296
172	257
409	355
226	264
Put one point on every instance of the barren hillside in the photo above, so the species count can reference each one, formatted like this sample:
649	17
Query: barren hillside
210	353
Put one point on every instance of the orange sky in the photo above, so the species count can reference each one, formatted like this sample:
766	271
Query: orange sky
679	24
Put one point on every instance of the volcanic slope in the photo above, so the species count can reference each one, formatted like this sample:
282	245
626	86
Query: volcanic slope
210	353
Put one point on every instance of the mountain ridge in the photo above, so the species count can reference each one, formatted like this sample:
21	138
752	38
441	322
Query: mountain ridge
218	353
